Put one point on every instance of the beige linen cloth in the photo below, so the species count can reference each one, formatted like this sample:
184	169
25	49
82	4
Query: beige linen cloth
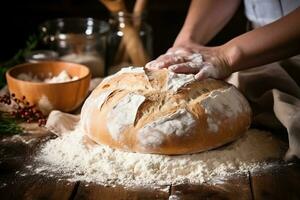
274	94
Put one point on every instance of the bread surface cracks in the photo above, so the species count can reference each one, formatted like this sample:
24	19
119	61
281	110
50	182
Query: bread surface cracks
157	100
157	107
123	92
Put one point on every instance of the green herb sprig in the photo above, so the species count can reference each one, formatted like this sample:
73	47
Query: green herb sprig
9	125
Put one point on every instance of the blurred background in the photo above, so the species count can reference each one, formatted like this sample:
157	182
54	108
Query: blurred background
19	19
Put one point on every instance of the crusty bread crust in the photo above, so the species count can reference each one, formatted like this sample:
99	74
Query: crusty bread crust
160	103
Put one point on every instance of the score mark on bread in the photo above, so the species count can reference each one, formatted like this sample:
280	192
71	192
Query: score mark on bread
163	112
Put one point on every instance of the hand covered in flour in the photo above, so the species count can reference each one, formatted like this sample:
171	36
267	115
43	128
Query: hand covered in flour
204	62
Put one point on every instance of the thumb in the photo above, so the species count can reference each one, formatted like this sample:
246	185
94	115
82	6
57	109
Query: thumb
208	71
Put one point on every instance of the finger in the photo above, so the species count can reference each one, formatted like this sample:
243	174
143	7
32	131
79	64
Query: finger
171	58
179	51
165	61
186	68
208	71
153	65
201	75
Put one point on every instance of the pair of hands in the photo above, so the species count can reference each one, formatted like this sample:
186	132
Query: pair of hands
191	58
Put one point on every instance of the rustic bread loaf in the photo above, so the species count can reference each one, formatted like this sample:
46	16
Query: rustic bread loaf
163	112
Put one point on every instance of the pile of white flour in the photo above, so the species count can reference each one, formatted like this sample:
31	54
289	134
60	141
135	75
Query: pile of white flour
69	155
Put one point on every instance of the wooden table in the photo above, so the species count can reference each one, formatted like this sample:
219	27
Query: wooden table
282	183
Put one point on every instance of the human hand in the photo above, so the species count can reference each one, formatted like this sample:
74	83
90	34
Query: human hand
204	62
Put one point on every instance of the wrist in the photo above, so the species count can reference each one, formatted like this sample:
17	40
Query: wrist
187	37
232	54
183	41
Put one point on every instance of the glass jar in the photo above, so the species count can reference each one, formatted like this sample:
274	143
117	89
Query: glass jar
130	41
79	40
41	55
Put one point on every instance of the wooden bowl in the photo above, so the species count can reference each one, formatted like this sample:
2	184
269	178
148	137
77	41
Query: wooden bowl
65	96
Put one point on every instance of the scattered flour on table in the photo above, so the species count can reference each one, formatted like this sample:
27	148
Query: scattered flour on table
69	155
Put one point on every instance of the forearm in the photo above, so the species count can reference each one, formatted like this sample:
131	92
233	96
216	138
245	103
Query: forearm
267	44
205	19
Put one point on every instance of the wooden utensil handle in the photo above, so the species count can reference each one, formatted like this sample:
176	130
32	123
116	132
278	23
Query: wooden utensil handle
138	9
114	5
134	46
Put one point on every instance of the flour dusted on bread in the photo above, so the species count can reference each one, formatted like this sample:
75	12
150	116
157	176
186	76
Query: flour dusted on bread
179	123
124	71
224	103
176	81
102	98
89	105
163	112
123	114
131	70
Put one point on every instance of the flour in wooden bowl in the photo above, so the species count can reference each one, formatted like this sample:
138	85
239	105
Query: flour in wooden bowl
62	77
70	156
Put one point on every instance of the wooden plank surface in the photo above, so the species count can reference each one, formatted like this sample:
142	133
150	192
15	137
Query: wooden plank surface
230	189
281	183
34	187
15	183
94	191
